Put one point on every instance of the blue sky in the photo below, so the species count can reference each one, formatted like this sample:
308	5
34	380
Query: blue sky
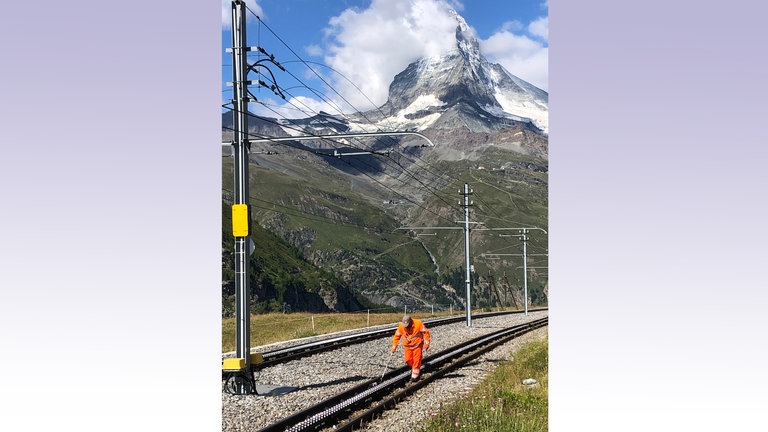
361	45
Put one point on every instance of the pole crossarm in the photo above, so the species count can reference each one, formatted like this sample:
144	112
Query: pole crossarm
428	228
501	254
349	135
524	235
512	229
338	154
467	264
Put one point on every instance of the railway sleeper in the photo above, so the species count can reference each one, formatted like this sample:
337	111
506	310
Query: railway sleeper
351	403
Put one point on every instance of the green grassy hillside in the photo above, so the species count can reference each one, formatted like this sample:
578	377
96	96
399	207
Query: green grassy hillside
349	224
280	278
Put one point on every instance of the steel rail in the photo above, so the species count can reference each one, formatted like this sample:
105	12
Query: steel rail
390	401
283	355
368	393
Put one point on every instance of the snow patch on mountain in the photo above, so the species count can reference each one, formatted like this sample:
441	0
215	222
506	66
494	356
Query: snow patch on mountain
519	108
294	132
398	122
421	103
435	66
338	119
401	120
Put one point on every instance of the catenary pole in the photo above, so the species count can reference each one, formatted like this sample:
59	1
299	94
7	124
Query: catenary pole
525	270
465	203
524	237
240	210
468	278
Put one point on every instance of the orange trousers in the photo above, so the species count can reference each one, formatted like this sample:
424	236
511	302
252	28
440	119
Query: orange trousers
412	356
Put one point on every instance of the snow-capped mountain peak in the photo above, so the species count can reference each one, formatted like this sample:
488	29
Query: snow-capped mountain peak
464	77
456	94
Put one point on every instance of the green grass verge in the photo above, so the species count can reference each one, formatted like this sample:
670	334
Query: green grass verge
501	402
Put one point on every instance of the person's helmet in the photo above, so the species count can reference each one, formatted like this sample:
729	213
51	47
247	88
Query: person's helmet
407	320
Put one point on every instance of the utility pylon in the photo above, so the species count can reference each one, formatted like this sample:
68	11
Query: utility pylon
240	365
465	203
524	236
240	209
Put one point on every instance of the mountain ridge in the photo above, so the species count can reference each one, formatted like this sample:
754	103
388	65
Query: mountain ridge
346	215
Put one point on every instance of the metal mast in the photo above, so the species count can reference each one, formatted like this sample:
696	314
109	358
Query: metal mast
240	210
466	203
468	279
525	269
524	237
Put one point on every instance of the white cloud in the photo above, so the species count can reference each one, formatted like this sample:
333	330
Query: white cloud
314	50
456	4
523	55
297	107
520	55
512	26
226	12
540	28
371	46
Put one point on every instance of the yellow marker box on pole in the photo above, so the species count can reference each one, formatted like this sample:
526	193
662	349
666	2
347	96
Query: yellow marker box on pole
240	220
233	364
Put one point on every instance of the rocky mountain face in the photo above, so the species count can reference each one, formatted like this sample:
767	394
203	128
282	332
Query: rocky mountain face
462	88
489	129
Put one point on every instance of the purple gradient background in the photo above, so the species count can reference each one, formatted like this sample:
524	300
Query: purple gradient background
111	190
658	209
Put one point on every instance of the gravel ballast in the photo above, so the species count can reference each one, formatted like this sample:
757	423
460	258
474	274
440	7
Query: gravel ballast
323	375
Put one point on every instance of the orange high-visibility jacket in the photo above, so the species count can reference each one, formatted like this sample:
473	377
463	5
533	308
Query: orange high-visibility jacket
413	336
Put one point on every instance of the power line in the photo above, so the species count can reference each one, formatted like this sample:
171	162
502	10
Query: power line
303	214
325	138
306	63
440	179
311	69
362	172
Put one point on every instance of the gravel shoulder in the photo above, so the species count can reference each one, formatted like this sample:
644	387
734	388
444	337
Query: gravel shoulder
323	375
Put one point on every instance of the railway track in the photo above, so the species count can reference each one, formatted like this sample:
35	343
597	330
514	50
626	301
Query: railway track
283	355
351	408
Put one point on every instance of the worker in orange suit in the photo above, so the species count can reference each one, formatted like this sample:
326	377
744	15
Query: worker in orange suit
416	338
